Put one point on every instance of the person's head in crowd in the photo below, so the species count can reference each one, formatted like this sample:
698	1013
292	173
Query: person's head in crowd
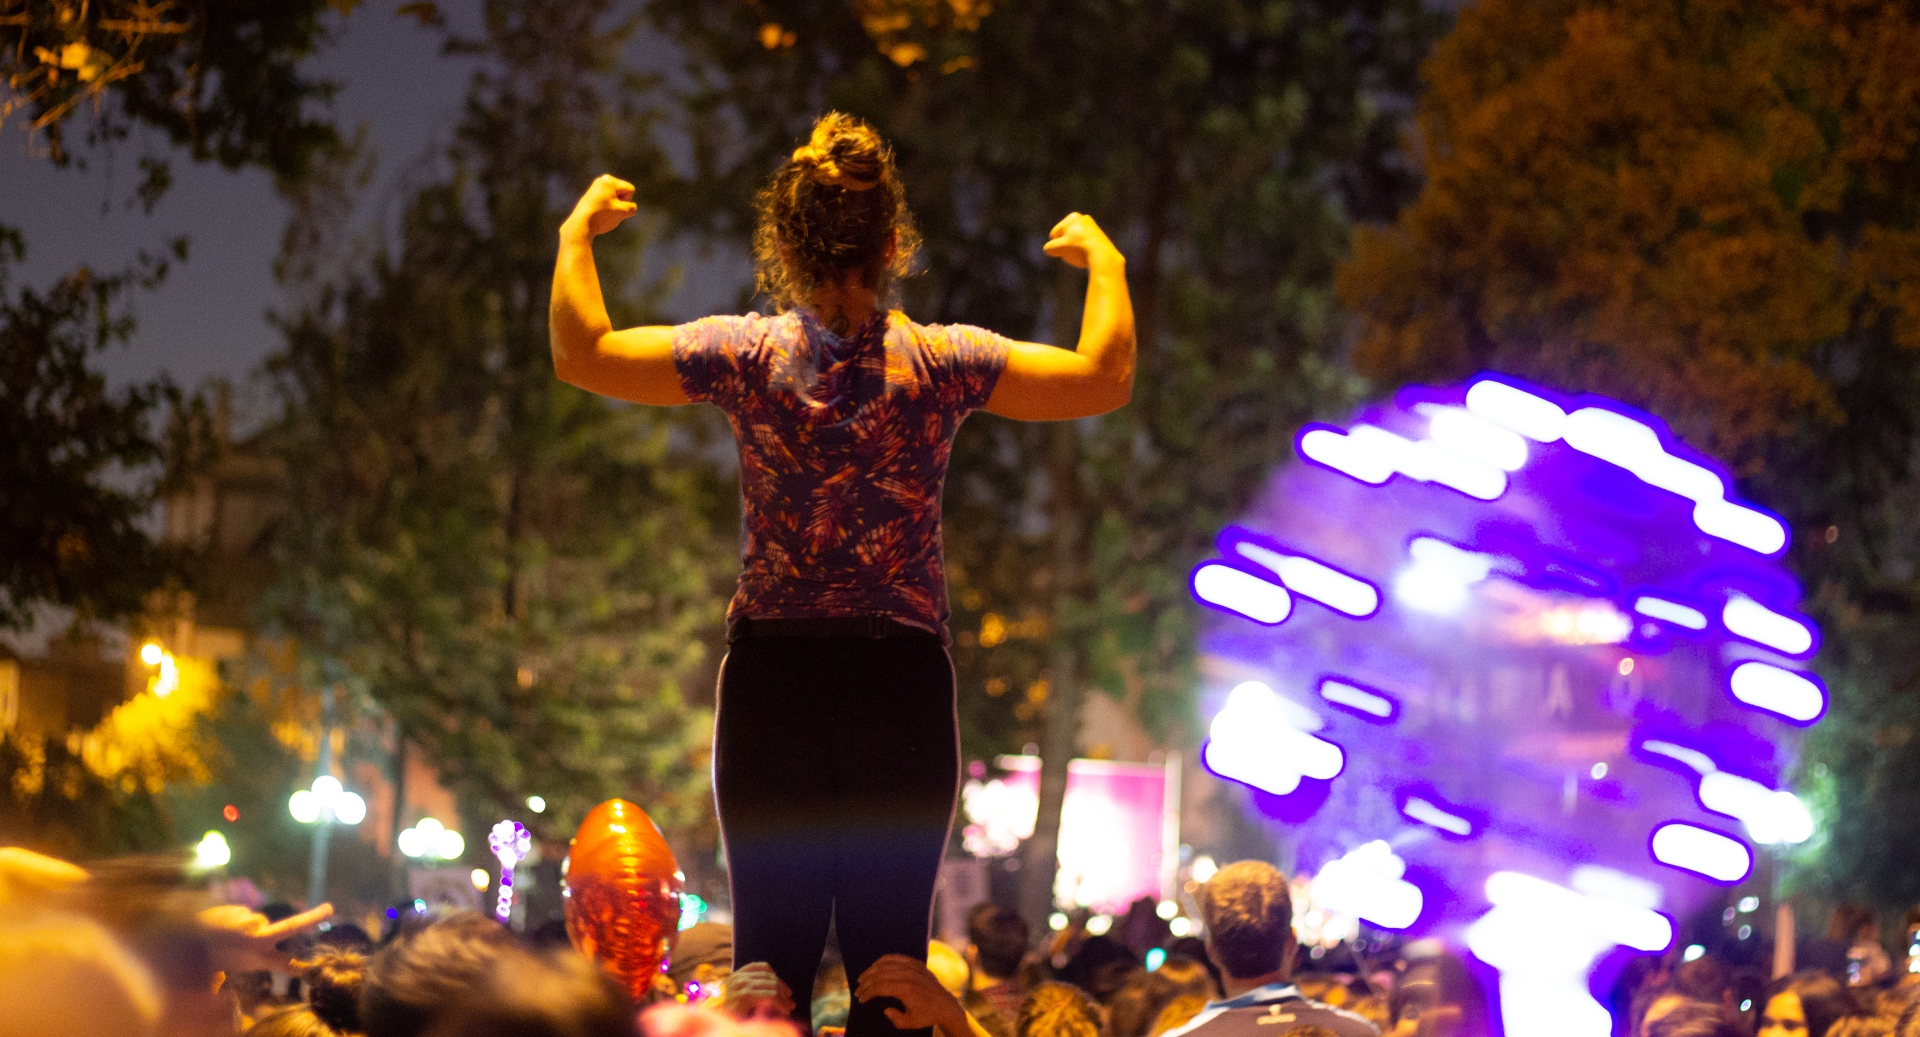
1705	978
345	936
1100	967
1144	995
1248	913
418	977
1690	1018
1863	1026
1653	1003
1179	976
1058	1010
948	966
832	998
1179	1012
1131	1009
1805	1004
63	975
1438	984
524	994
997	940
293	1021
672	1019
1372	1008
333	978
1853	923
1322	987
702	958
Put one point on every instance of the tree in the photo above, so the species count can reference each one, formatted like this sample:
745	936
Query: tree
1711	211
521	574
72	530
1225	146
81	463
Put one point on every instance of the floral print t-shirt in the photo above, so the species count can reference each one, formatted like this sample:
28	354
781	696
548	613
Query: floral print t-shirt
843	452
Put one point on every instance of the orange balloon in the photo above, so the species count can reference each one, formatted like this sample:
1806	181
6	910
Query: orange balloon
623	894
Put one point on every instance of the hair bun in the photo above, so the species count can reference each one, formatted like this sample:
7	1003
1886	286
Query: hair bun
843	152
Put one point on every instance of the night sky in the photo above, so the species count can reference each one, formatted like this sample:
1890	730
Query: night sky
210	317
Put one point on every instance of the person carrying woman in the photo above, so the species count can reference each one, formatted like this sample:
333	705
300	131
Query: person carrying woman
836	748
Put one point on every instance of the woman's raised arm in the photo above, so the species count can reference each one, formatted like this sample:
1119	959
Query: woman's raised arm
1046	383
635	364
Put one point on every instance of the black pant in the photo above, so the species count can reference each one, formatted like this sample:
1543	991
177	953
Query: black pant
836	765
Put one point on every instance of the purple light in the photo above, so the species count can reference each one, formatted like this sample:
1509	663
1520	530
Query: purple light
1798	698
511	843
1422	805
1256	741
1308	577
1241	593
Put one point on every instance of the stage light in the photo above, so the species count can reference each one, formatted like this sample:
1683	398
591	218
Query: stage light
1671	612
304	806
1203	868
1156	957
1796	696
1523	412
212	851
1749	905
1470	435
481	880
1694	952
1099	925
230	812
537	804
327	787
151	653
692	909
1311	579
511	843
1369	462
1367	883
1253	740
1771	816
1240	592
1372	704
1437	583
1737	524
1595	623
1599	771
1057	921
1426	812
1180	927
1747	618
1166	909
1720	858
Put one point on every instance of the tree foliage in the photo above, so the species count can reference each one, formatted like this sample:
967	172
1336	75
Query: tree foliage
224	80
1225	146
1680	204
519	572
71	450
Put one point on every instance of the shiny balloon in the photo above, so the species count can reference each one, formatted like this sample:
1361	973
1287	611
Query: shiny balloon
623	894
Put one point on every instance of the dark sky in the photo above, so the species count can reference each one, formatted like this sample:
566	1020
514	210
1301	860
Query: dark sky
209	318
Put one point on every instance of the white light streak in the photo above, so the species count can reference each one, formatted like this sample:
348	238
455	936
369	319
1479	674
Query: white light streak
1427	813
1373	455
1741	525
1311	579
1789	694
1612	437
1693	758
1241	592
1356	698
1747	618
1701	851
1671	611
1771	816
1472	436
1517	409
1437	581
1369	461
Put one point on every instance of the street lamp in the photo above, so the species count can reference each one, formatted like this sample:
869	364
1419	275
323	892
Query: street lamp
432	840
325	804
328	800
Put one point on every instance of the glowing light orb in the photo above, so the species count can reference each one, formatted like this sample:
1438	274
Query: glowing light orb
1558	652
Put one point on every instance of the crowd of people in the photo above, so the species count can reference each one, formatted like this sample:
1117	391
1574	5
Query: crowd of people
126	947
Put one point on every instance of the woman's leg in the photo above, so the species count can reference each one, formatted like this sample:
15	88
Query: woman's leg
896	767
770	749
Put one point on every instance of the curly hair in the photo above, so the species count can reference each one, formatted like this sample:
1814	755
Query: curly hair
836	207
1058	1010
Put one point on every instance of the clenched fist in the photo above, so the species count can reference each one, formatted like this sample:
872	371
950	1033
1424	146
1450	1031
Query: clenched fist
607	204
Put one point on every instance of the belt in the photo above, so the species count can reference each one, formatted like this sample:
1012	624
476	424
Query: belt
824	626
